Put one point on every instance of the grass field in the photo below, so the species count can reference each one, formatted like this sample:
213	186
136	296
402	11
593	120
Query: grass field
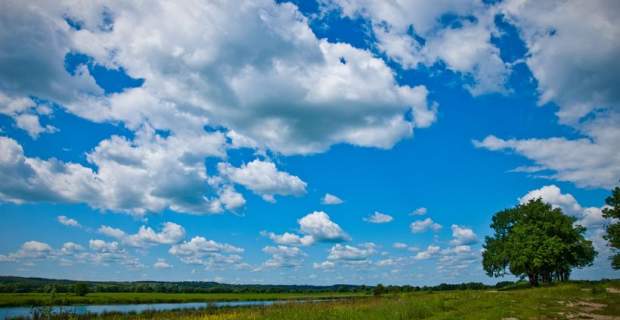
563	301
43	299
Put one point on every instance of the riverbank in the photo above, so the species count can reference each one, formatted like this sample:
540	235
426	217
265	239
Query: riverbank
561	301
46	299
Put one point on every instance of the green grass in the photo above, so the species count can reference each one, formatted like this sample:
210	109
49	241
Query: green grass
43	299
562	301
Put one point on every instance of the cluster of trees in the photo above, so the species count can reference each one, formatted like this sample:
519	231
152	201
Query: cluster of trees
541	243
612	211
18	284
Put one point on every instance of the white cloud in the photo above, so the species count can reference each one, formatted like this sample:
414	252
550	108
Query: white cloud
162	264
325	265
419	212
424	225
237	91
587	162
170	233
106	253
314	227
283	257
101	253
263	178
590	217
211	254
287	238
30	250
400	245
430	252
379	217
71	248
68	221
31	124
462	236
561	54
466	49
319	226
331	199
148	174
347	252
553	195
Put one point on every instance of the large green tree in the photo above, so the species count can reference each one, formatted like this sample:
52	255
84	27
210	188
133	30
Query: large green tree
536	241
613	229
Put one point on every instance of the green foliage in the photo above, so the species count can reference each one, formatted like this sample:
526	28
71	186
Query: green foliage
613	229
378	290
80	289
534	240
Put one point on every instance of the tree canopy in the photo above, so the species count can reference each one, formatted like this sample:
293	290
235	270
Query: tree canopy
536	241
613	229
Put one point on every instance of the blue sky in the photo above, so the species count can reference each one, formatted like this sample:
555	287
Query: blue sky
300	143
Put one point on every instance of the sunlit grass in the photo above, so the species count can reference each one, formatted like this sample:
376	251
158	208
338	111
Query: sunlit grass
561	301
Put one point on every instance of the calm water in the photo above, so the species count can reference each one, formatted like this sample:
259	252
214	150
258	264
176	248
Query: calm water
125	308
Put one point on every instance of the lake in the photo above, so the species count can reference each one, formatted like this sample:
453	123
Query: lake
10	312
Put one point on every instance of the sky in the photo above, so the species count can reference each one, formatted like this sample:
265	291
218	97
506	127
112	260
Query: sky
304	142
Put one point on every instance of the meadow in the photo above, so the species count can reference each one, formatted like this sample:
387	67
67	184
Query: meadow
572	300
45	299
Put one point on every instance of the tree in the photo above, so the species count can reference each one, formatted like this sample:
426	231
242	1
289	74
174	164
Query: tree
378	290
80	289
536	241
613	229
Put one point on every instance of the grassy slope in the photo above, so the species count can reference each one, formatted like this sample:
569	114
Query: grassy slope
40	299
564	301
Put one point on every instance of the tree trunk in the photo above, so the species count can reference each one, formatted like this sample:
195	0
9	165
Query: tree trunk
533	278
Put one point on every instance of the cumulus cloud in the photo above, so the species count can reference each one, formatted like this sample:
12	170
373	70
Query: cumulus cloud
100	253
314	227
399	245
349	253
277	99
561	54
419	212
330	199
209	253
147	174
462	236
68	221
161	264
590	217
287	238
30	250
430	252
413	34
283	256
170	233
424	225
106	253
264	179
320	227
379	217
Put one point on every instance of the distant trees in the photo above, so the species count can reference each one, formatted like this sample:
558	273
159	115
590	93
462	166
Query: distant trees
378	290
536	241
613	229
80	289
